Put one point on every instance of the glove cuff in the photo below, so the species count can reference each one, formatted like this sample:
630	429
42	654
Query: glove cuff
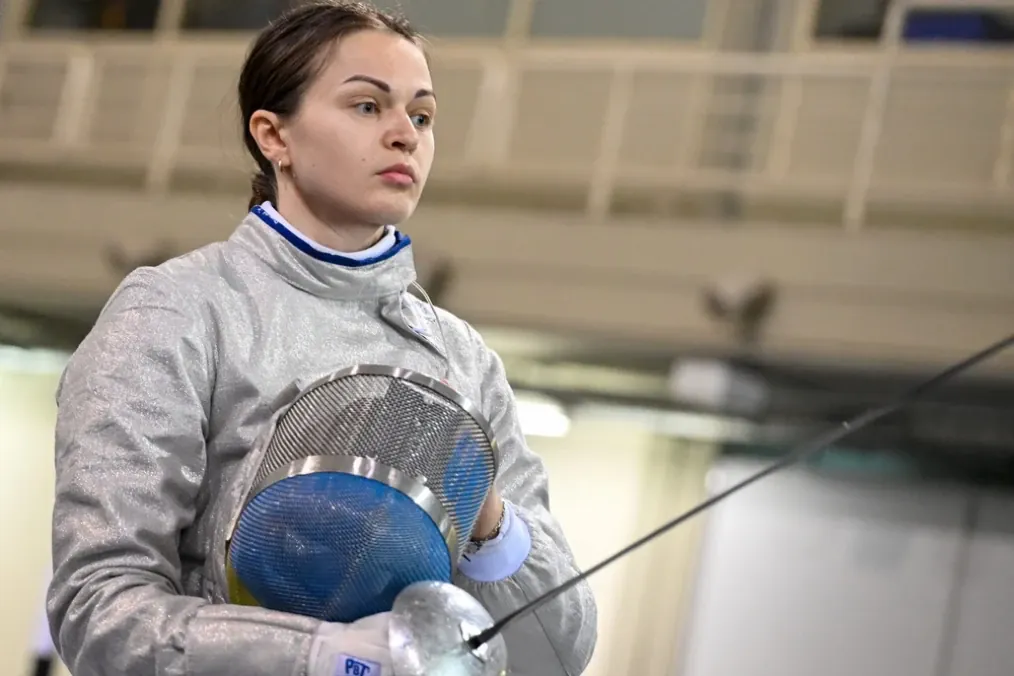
357	649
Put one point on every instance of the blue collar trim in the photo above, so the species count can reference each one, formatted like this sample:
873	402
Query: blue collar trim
401	241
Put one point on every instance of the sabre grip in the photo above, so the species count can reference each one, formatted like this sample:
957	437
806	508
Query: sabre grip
356	649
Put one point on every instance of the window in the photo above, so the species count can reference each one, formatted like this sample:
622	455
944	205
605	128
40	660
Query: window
864	20
853	19
232	15
94	14
658	19
480	18
454	18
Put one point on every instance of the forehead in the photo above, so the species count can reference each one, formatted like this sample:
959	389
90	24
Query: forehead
380	54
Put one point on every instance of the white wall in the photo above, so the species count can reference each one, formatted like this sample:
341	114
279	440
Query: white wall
803	575
981	643
611	482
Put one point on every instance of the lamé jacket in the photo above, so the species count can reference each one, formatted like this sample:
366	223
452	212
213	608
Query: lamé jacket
170	390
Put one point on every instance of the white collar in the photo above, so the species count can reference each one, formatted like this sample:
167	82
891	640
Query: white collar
386	242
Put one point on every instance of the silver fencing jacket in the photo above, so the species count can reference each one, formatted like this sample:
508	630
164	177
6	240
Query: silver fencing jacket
166	395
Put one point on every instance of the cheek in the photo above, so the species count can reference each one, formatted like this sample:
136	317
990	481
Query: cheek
323	144
425	152
328	158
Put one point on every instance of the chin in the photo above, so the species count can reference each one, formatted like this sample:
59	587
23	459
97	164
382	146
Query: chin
391	210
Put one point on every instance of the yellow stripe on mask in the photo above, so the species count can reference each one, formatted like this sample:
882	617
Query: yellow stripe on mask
238	593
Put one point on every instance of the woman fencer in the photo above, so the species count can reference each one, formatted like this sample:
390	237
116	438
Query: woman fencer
160	403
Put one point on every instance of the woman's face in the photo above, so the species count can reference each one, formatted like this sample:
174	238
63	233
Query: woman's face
360	146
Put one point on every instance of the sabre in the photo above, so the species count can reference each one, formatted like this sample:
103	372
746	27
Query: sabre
436	648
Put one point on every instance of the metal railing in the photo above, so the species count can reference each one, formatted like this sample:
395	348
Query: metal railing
892	124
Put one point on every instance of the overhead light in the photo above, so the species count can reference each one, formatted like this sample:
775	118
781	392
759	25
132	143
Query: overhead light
686	425
541	416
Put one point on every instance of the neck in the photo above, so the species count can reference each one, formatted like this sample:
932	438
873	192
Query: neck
334	233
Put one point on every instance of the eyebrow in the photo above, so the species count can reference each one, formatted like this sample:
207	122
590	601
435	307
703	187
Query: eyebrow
386	88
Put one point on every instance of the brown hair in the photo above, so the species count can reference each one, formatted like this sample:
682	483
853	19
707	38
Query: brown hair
287	56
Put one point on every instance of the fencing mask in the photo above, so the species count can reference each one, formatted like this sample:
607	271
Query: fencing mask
367	481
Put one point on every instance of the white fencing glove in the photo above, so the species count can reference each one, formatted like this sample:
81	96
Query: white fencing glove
356	649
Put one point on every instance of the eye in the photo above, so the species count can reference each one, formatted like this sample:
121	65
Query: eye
367	107
422	120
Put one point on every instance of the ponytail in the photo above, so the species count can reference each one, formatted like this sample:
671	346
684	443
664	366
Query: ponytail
263	189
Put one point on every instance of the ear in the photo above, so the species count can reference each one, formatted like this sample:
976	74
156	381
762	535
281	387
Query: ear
266	129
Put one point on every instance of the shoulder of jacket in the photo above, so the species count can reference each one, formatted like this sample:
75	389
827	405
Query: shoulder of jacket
185	283
193	274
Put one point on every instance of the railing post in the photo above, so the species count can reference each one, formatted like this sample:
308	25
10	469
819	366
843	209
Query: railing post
603	182
803	24
490	130
4	59
13	18
701	87
790	102
790	99
519	20
170	18
73	116
1005	152
695	119
167	142
857	198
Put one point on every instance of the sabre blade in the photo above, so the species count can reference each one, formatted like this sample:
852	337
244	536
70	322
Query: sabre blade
800	452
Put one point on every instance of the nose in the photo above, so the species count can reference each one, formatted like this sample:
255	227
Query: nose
401	134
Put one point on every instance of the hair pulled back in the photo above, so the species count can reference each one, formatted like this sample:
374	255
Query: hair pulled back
286	57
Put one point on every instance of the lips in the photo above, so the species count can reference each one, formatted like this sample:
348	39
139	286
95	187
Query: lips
399	173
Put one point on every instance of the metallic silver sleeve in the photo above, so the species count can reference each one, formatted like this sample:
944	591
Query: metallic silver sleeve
559	639
130	476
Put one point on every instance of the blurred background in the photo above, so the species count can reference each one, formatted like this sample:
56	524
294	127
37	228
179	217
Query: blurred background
696	231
